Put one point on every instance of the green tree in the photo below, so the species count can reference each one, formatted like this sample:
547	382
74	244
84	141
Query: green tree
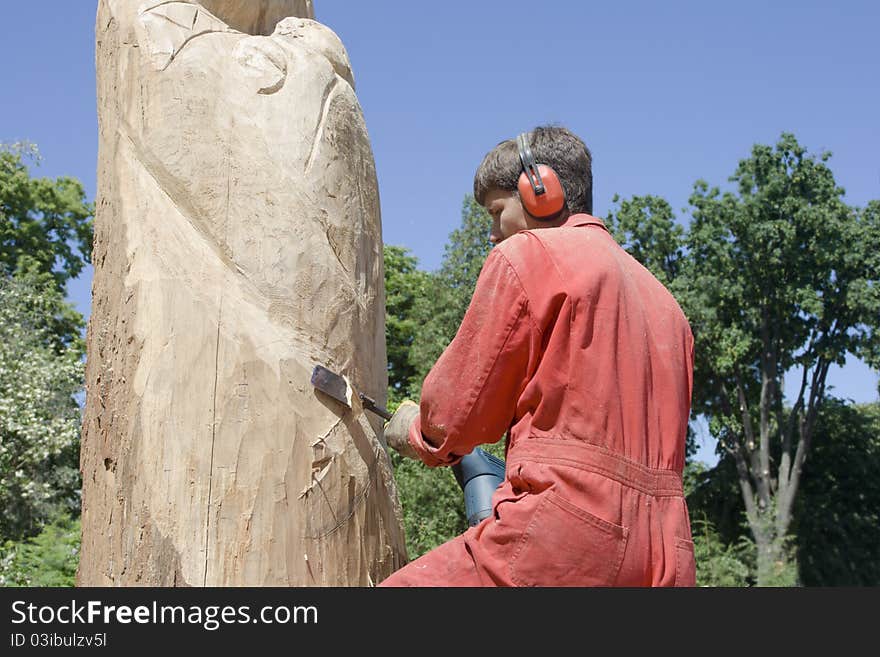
720	563
404	284
835	524
45	240
722	558
837	515
713	495
45	231
432	502
44	224
780	276
439	313
39	415
48	559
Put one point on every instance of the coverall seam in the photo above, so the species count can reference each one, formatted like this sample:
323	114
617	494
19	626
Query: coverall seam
553	262
608	473
523	292
567	441
523	539
595	458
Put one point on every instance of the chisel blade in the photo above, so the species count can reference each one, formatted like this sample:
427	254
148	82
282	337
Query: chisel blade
331	384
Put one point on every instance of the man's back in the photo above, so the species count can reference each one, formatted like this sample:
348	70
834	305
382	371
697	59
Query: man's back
617	350
600	426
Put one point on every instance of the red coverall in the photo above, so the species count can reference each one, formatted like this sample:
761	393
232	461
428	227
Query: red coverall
586	358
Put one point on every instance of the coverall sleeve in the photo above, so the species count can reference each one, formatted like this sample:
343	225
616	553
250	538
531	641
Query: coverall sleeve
470	395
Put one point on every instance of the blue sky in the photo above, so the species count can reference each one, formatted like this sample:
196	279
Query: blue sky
663	93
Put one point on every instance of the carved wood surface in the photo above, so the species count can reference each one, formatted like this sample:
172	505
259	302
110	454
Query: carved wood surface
237	244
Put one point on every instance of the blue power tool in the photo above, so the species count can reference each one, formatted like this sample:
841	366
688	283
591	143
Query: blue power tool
479	474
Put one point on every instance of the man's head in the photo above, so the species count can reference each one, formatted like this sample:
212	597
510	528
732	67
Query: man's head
495	182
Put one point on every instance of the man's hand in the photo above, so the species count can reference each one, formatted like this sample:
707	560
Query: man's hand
397	429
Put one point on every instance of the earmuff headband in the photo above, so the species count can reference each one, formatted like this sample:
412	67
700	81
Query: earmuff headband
530	168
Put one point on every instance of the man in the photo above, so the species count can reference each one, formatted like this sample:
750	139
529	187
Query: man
585	358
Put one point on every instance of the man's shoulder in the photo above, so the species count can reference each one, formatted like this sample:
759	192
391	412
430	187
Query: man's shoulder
516	246
559	244
521	252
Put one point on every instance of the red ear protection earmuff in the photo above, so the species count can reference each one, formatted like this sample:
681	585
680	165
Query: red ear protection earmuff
539	187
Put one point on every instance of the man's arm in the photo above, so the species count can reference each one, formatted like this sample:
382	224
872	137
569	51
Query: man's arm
469	397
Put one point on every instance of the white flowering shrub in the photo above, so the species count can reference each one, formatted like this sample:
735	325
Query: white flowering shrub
40	374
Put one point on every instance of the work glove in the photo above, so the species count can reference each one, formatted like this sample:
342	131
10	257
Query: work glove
397	429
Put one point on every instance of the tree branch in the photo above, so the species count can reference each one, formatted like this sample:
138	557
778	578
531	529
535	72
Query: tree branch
743	474
767	379
745	486
806	426
754	457
785	459
816	398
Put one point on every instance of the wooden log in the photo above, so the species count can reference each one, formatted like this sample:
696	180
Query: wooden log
237	244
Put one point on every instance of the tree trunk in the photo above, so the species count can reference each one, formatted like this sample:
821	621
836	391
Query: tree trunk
237	244
776	563
776	567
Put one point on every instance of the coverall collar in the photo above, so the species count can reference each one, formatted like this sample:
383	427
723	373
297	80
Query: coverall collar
583	220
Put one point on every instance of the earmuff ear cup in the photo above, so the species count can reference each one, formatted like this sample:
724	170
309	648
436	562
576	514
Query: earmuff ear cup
548	204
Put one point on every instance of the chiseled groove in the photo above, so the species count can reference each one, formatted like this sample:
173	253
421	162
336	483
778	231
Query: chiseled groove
213	438
186	41
325	110
372	471
198	9
147	10
227	158
175	193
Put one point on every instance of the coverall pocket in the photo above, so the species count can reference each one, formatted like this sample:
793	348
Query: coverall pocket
564	545
685	568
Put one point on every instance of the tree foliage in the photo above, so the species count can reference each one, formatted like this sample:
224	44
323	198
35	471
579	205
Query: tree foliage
45	225
719	563
39	415
645	226
779	275
837	515
48	559
835	529
45	234
439	313
404	285
432	502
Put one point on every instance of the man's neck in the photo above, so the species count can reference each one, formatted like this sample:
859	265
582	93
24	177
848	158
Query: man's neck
533	222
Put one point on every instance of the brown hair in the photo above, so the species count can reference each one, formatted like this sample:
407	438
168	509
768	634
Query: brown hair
555	146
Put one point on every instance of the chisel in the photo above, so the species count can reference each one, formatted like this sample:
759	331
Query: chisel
337	387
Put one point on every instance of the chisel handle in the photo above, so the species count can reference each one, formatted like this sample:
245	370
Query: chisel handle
370	405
